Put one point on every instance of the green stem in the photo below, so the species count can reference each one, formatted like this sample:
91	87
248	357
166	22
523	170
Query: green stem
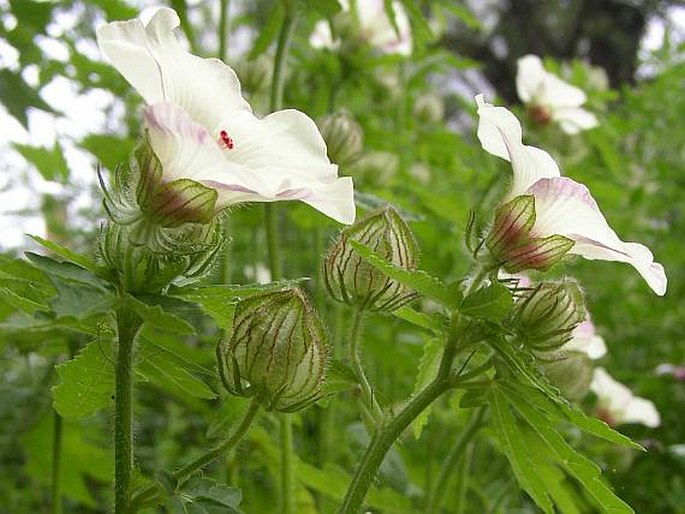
383	440
56	464
463	477
150	492
223	28
287	482
271	219
128	324
370	405
453	458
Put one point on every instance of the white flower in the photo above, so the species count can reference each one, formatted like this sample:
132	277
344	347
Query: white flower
617	404
202	129
584	339
563	206
374	26
551	99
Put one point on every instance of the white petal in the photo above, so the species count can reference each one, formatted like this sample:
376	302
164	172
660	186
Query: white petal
152	60
565	207
500	134
379	30
281	157
322	37
530	73
574	119
556	93
585	340
641	410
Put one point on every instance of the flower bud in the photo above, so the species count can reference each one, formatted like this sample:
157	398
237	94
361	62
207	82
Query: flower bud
255	74
512	244
546	315
275	352
376	169
571	373
352	280
344	137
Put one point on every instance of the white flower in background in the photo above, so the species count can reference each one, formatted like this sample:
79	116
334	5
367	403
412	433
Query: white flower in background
562	206
616	404
201	128
550	99
678	372
584	339
257	272
375	27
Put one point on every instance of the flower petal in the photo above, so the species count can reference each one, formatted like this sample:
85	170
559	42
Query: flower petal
620	402
555	93
585	340
500	134
641	410
565	207
574	119
379	29
281	157
152	60
530	73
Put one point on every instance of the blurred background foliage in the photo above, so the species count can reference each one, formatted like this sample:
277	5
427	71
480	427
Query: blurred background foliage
65	111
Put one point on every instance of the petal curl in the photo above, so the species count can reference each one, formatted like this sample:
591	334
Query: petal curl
565	207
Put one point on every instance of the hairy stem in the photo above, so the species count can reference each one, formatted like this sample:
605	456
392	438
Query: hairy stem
150	492
453	457
56	464
128	324
370	405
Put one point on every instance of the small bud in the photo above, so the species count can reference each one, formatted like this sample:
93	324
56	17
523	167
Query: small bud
275	352
375	169
352	280
512	245
344	137
429	108
571	373
255	74
546	315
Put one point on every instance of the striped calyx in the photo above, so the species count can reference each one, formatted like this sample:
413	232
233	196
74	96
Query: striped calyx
352	280
276	351
547	314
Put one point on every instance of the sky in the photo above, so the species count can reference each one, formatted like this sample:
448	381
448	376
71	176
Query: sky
21	188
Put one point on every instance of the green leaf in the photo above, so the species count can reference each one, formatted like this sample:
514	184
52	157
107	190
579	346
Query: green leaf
428	368
86	382
65	253
521	462
215	492
268	33
156	316
49	162
492	303
79	300
418	319
161	360
324	8
109	150
340	377
17	96
418	280
579	466
66	270
231	411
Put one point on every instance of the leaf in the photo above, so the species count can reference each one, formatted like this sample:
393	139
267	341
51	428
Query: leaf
156	316
17	96
211	490
418	280
418	319
231	411
517	454
159	359
49	162
65	253
268	32
583	469
109	150
324	8
66	270
428	368
493	303
80	301
340	377
86	382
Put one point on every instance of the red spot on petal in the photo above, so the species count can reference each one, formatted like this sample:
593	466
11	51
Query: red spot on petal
225	141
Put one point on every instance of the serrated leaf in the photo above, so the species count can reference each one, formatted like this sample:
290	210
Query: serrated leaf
86	382
65	270
417	280
156	316
49	162
510	442
492	303
418	319
67	254
428	368
579	466
79	300
160	360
